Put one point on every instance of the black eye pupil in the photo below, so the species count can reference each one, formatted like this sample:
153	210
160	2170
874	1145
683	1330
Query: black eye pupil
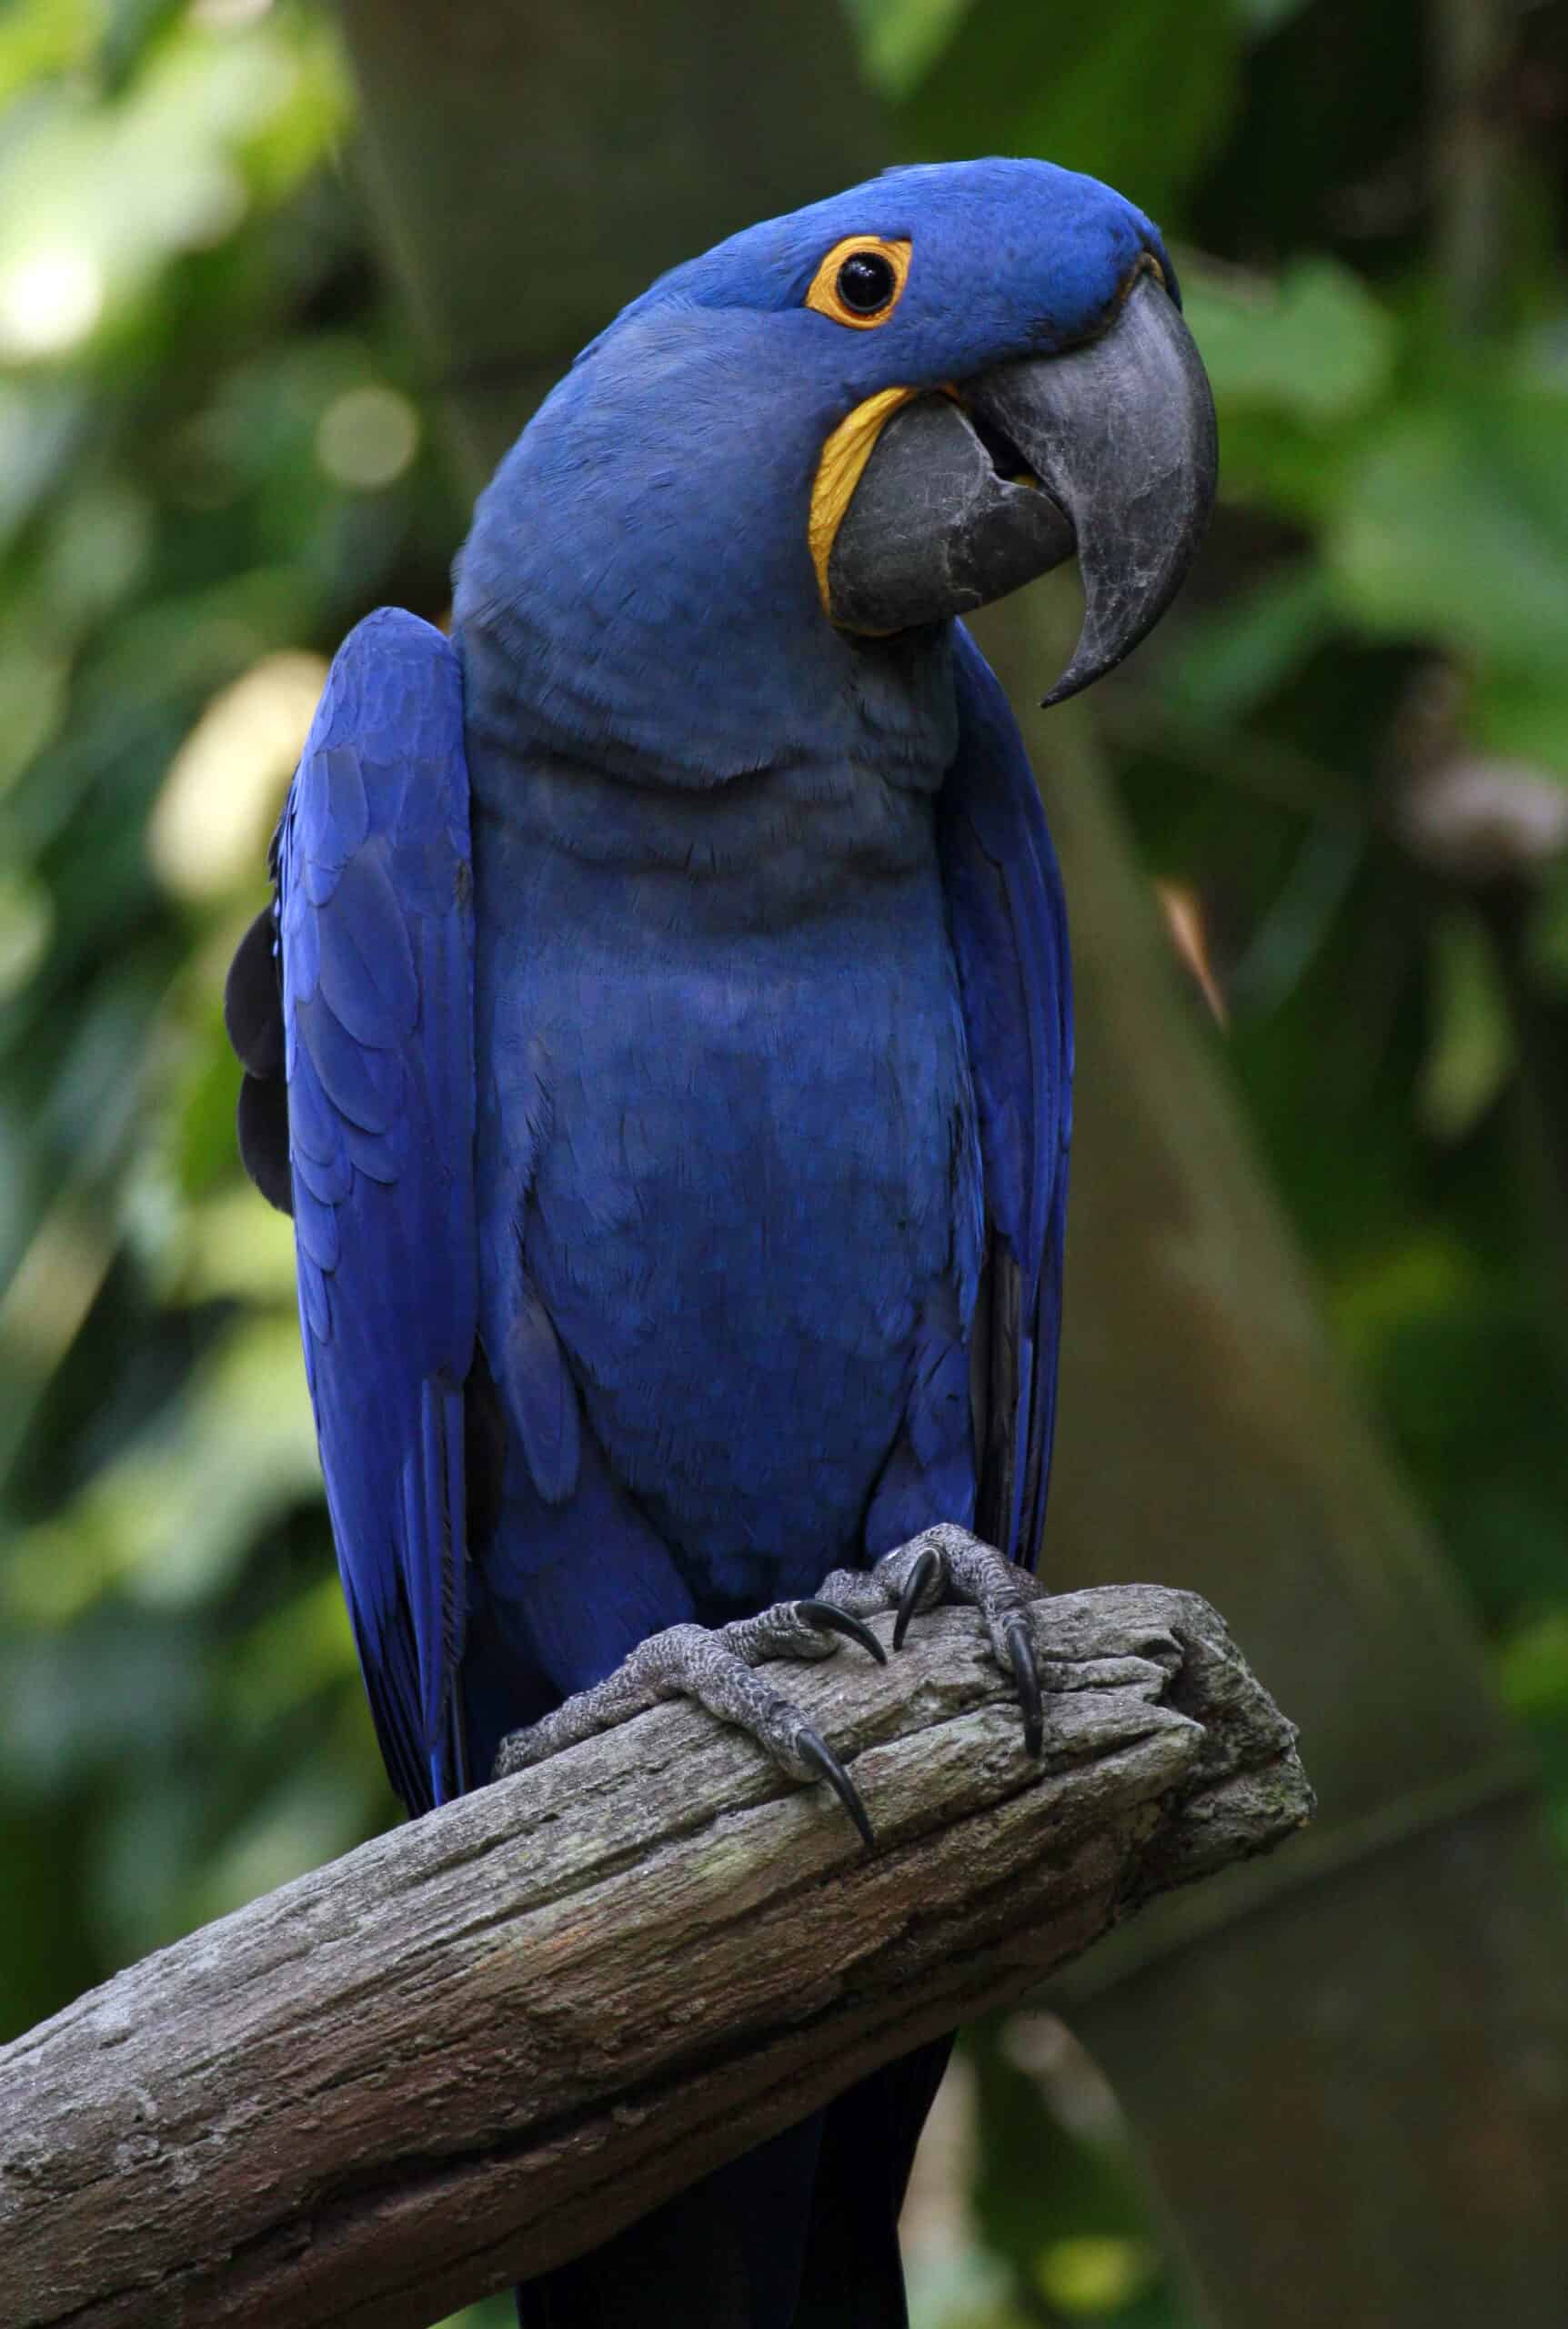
866	282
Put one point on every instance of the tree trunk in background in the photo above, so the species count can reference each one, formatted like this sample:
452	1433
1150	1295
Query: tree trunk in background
1354	2095
534	167
1348	2071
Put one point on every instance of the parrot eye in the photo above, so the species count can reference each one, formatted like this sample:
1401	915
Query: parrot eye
860	282
866	282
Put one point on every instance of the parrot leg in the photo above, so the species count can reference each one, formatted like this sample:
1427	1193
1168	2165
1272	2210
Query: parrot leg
716	1668
946	1563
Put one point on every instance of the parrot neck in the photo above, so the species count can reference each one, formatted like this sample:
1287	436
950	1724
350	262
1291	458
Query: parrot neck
737	703
803	810
637	594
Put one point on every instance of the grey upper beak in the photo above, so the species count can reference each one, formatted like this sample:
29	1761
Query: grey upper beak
1119	433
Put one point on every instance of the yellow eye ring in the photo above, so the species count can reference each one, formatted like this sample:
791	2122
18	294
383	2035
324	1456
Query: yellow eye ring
878	272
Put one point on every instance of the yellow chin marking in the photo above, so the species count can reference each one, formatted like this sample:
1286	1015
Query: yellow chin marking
839	471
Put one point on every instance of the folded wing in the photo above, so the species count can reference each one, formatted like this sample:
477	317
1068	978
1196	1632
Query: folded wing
1009	935
351	1006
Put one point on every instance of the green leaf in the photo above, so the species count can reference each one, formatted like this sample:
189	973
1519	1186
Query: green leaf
1546	929
41	39
901	40
1533	1668
170	1522
1453	526
1521	715
1316	345
1425	1277
1471	1055
1092	2275
1231	658
132	30
1262	17
1139	95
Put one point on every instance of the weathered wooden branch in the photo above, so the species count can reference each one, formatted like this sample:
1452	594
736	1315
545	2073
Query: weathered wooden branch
479	2045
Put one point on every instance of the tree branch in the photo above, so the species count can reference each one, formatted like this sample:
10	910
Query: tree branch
483	2042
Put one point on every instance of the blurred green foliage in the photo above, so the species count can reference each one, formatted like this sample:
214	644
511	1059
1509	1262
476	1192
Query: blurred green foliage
1346	757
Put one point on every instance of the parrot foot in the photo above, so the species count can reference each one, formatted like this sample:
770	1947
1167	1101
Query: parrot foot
946	1563
716	1668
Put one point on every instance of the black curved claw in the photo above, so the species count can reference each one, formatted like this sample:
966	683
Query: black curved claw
829	1619
815	1748
1026	1674
915	1585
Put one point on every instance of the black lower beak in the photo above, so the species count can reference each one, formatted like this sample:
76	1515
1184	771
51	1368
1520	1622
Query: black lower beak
1108	450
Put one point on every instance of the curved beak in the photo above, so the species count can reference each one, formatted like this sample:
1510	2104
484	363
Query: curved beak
1108	450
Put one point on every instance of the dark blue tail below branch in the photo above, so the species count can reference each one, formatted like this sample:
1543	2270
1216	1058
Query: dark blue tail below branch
800	2234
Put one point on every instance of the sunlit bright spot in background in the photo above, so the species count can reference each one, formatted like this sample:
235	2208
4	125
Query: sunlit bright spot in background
50	299
366	437
226	784
211	204
224	16
1095	2273
27	926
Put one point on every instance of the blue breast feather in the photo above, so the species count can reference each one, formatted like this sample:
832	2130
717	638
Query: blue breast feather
706	1396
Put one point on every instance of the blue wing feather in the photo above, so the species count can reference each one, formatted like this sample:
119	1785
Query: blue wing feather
1009	925
377	939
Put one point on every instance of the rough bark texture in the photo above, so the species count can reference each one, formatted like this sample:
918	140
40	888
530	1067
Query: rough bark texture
481	2043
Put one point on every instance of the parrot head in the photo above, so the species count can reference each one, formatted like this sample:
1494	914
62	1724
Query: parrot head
846	426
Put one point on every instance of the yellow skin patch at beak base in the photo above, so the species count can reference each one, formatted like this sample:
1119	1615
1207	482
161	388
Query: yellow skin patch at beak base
838	472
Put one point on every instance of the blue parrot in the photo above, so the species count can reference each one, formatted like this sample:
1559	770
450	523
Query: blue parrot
662	1039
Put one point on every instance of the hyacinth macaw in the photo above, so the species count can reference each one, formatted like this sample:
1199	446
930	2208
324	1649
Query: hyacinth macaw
662	1039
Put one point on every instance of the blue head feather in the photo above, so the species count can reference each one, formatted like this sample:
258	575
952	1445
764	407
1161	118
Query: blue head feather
659	499
1010	258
